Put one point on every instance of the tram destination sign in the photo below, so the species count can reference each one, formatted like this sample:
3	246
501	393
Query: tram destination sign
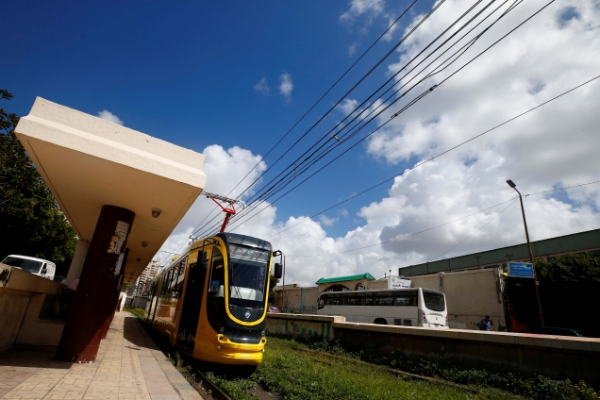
520	270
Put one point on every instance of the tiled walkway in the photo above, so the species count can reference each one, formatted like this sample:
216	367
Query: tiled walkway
128	366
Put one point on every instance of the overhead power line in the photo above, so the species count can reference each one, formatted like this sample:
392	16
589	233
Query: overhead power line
335	137
423	94
443	224
198	227
446	151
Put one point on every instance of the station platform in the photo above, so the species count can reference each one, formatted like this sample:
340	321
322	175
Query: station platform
129	366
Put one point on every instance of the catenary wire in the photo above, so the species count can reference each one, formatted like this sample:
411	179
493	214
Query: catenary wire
251	208
423	94
446	152
402	40
462	50
418	98
513	199
327	136
197	228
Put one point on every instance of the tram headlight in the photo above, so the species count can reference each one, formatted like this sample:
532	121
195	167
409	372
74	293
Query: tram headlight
222	329
220	348
262	333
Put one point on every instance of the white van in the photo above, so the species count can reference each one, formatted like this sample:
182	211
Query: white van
37	266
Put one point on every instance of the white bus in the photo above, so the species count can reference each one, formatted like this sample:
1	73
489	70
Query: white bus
406	307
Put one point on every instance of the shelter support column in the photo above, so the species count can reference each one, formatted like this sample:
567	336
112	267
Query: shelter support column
77	262
93	303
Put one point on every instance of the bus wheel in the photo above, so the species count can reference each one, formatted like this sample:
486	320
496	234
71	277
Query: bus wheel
380	321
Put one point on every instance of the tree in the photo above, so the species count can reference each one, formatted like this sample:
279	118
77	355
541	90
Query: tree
568	286
30	219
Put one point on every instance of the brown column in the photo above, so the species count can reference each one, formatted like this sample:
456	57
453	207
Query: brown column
92	305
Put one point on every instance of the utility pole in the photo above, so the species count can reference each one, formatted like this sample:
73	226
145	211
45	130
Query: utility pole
535	279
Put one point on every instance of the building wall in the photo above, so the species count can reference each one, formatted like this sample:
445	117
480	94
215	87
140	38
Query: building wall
470	296
41	333
298	300
23	299
588	241
13	305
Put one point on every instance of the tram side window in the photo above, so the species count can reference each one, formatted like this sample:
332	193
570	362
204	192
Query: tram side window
168	280
178	278
217	274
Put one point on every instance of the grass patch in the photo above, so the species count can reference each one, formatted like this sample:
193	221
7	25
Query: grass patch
137	312
317	375
535	387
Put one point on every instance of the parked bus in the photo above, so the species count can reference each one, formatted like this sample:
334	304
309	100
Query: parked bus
406	307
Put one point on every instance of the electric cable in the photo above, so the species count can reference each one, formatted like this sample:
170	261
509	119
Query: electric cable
250	209
323	96
402	40
327	135
420	97
476	230
513	200
447	151
311	108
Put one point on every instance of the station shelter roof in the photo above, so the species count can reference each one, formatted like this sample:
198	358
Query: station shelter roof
88	162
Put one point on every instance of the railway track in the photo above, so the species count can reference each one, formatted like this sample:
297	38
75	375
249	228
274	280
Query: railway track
197	372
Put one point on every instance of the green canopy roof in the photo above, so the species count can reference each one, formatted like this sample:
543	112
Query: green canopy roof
346	278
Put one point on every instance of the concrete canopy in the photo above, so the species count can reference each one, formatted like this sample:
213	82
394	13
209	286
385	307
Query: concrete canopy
88	162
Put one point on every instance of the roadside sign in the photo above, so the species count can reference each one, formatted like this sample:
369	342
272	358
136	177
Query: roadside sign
520	270
397	282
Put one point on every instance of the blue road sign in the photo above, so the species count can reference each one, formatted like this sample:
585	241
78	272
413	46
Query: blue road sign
520	270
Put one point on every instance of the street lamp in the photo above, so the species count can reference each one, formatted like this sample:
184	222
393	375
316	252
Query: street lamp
537	283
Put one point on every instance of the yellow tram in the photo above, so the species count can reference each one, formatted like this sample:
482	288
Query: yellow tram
211	303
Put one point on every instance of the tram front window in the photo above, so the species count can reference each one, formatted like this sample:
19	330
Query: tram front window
247	276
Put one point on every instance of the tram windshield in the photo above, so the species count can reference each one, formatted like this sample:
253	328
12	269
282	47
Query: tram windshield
248	269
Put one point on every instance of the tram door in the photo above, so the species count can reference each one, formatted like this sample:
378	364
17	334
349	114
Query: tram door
192	301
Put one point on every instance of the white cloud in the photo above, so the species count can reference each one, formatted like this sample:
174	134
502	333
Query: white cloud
548	148
358	8
262	86
352	49
223	169
108	116
328	221
554	146
286	86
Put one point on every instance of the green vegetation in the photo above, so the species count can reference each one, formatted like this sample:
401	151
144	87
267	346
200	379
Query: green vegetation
137	312
295	372
537	387
575	276
29	216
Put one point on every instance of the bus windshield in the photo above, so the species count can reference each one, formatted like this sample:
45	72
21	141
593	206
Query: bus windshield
434	301
247	275
32	266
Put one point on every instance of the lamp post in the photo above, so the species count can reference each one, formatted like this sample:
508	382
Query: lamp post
535	279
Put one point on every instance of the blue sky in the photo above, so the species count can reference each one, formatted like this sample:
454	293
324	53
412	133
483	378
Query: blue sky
208	76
